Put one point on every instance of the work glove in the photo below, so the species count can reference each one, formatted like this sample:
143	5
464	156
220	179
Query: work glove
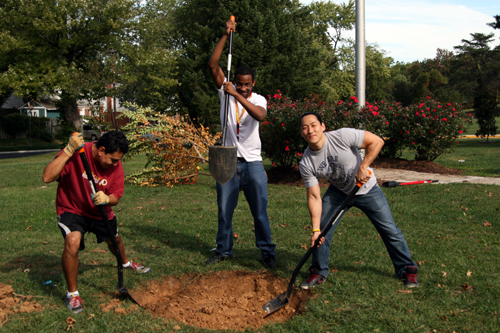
75	143
100	198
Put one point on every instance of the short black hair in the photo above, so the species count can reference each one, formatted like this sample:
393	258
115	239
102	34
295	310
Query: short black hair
311	113
244	70
113	141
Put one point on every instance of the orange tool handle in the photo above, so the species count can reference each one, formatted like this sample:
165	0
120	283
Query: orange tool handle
359	184
81	149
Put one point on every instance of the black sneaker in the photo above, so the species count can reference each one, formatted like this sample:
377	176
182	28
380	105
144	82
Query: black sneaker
313	280
410	277
271	262
216	258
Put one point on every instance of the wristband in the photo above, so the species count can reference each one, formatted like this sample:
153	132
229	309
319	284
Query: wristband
316	230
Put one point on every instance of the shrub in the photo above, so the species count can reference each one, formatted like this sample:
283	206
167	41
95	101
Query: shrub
429	129
15	123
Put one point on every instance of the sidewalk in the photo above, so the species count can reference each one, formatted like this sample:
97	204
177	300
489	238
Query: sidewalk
385	175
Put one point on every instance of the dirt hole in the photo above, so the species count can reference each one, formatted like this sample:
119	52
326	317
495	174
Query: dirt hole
220	300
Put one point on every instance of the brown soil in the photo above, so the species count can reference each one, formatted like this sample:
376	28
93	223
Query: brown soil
221	300
284	176
12	303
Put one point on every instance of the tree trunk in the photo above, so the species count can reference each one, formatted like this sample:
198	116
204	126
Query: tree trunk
69	107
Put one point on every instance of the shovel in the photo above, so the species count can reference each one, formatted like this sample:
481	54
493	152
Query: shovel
283	299
223	160
396	184
121	289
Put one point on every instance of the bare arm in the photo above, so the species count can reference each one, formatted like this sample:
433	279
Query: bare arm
53	170
315	205
213	63
373	145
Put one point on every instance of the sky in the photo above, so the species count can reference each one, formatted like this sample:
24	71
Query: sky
414	30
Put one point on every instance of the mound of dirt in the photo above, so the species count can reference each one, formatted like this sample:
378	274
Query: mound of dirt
11	304
221	300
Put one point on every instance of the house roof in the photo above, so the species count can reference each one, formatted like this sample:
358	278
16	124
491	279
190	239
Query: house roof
45	104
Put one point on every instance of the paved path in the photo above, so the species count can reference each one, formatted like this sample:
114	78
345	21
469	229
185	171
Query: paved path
408	176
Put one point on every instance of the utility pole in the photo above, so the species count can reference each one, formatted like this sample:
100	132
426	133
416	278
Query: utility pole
360	53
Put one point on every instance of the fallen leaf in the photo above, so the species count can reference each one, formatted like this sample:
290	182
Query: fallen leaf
326	302
284	225
486	224
71	323
176	327
404	291
139	207
236	235
444	273
469	273
304	246
91	316
28	228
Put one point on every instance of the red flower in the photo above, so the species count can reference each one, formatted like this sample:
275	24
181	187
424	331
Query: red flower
428	97
282	124
423	115
444	119
340	102
387	122
460	132
375	113
287	148
413	142
274	164
432	131
264	123
376	108
299	154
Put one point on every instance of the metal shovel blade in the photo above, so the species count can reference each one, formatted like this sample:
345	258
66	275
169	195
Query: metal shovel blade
223	162
276	303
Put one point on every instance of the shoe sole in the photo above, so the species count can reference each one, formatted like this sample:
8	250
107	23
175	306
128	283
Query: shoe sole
143	270
75	311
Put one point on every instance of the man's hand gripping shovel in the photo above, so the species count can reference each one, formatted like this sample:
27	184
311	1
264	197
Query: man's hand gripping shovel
121	289
283	299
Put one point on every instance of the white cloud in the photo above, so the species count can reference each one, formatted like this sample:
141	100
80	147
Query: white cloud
410	31
414	31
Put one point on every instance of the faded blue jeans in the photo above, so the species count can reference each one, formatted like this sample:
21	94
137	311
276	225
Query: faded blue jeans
252	178
375	206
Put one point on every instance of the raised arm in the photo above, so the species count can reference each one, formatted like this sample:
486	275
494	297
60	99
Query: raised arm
213	63
53	170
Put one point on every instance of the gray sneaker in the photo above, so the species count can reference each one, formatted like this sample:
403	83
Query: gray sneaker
313	280
74	303
216	258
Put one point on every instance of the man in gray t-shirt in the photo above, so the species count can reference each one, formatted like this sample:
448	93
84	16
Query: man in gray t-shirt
334	156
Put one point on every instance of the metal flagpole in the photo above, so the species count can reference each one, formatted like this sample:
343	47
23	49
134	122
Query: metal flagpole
360	53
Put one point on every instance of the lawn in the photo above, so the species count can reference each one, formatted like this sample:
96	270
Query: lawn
452	231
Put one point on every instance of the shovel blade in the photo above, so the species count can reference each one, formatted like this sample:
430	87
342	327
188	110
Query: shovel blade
276	303
223	162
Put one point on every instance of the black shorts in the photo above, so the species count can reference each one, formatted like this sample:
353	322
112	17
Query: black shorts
69	222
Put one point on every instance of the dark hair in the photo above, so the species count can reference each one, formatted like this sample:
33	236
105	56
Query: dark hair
244	70
113	141
313	114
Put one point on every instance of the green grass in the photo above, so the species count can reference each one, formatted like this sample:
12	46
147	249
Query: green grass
443	225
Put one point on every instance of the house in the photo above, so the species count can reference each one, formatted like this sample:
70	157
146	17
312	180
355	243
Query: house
39	109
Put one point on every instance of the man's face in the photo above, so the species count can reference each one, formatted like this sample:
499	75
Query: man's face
244	84
311	129
107	160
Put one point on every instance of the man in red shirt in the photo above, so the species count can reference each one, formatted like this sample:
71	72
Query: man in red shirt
78	211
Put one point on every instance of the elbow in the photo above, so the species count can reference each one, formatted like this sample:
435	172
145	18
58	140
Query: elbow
46	179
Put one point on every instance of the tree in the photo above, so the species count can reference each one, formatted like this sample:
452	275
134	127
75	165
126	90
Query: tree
63	48
481	65
273	37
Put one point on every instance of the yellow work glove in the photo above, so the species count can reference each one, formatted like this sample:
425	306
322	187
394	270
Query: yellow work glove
75	143
100	198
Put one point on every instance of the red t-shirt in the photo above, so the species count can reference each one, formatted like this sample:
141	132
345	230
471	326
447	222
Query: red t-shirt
74	190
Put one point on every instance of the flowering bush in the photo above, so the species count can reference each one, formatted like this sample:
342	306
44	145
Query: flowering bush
280	132
429	128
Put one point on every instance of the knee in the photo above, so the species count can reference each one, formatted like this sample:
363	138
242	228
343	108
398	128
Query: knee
72	243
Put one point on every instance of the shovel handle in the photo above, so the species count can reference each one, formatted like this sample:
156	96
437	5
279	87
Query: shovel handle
228	77
104	217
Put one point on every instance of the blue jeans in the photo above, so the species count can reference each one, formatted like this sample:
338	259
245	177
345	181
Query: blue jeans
375	206
251	177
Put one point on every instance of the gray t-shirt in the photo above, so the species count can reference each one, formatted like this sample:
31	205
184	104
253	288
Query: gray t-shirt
337	162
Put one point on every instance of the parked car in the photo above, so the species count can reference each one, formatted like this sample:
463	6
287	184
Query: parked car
90	134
